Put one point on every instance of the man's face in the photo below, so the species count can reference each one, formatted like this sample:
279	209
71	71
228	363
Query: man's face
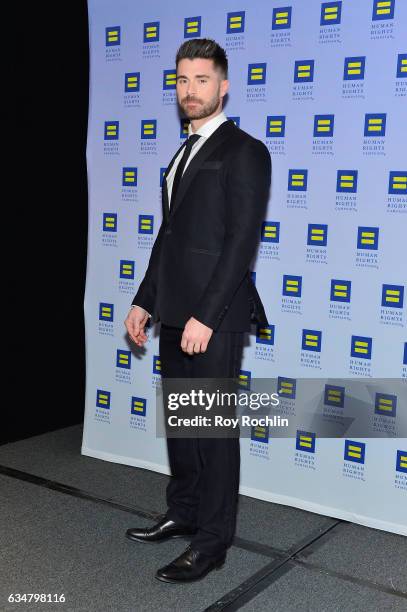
200	88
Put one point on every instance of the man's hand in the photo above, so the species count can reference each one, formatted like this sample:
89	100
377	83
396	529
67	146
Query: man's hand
195	337
135	322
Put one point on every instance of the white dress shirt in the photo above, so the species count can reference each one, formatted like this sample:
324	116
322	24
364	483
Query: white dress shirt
206	130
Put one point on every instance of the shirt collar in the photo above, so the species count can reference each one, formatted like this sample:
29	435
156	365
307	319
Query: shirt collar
208	128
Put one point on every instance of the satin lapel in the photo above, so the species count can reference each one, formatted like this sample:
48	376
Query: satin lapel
223	132
166	203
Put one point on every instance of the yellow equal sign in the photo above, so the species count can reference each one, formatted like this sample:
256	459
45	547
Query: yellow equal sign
393	295
399	182
403	64
361	347
243	380
330	12
138	406
113	36
323	125
127	269
385	404
368	238
291	285
145	224
403	461
256	74
346	180
354	451
282	17
123	358
335	395
132	82
275	125
148	128
106	311
340	290
354	67
111	130
304	70
129	176
270	231
110	222
192	27
235	22
151	31
317	235
383	8
265	333
103	398
305	441
311	340
260	432
158	364
374	124
285	387
297	180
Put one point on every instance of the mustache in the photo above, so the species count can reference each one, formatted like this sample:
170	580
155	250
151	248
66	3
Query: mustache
191	99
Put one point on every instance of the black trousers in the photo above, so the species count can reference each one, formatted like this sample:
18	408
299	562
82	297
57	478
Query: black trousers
203	489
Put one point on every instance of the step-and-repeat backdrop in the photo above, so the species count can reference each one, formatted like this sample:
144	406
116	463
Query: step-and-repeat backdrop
324	86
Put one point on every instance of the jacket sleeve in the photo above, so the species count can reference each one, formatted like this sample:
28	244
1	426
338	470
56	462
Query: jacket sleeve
147	291
248	181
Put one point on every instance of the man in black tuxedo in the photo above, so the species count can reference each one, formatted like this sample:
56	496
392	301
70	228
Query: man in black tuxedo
198	284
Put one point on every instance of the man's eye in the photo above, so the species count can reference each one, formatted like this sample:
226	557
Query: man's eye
202	80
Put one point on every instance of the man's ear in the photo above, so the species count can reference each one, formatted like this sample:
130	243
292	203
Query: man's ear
224	87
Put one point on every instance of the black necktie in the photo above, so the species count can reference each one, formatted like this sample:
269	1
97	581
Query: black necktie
180	168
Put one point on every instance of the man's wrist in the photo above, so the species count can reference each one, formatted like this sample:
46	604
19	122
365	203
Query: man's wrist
134	306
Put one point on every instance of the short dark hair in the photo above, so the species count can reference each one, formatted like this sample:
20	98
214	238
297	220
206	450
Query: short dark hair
204	48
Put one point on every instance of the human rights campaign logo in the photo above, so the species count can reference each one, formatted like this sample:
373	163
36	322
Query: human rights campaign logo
260	434
110	222
123	359
361	347
398	182
270	231
138	406
266	334
192	27
281	18
354	68
323	126
148	129
304	71
375	124
393	296
146	224
402	66
292	285
305	441
235	22
311	340
275	126
317	235
340	290
401	461
103	399
286	387
256	74
170	79
111	131
330	13
244	379
368	238
127	269
347	181
113	36
354	451
156	364
334	396
106	311
385	404
151	32
129	177
383	9
297	180
132	82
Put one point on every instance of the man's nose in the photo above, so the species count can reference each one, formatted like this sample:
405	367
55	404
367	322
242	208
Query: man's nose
191	89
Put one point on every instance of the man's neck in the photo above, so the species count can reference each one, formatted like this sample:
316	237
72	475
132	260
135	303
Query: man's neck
196	124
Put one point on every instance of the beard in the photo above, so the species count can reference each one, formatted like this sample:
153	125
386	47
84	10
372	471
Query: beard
202	109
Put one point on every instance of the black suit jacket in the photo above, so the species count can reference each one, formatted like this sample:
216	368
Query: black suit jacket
199	264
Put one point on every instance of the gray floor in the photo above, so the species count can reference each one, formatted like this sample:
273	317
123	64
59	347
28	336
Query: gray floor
63	518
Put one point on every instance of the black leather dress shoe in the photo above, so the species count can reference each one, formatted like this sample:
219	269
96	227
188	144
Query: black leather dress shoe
191	565
163	530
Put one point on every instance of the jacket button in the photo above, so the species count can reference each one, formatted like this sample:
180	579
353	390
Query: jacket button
168	231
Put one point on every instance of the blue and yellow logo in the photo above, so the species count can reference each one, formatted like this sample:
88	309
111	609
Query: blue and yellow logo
184	128
260	434
297	180
368	238
266	334
375	124
111	130
281	18
340	290
103	399
393	296
113	36
148	129
151	32
275	126
123	359
244	379
305	441
110	222
236	120
256	74
132	82
129	177
401	461
138	406
317	235
304	71
354	451
323	125
292	285
383	9
145	224
156	364
385	404
354	68
347	181
270	231
162	174
235	22
398	182
170	79
361	347
402	66
127	269
286	387
334	396
311	340
106	311
405	354
330	13
192	27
